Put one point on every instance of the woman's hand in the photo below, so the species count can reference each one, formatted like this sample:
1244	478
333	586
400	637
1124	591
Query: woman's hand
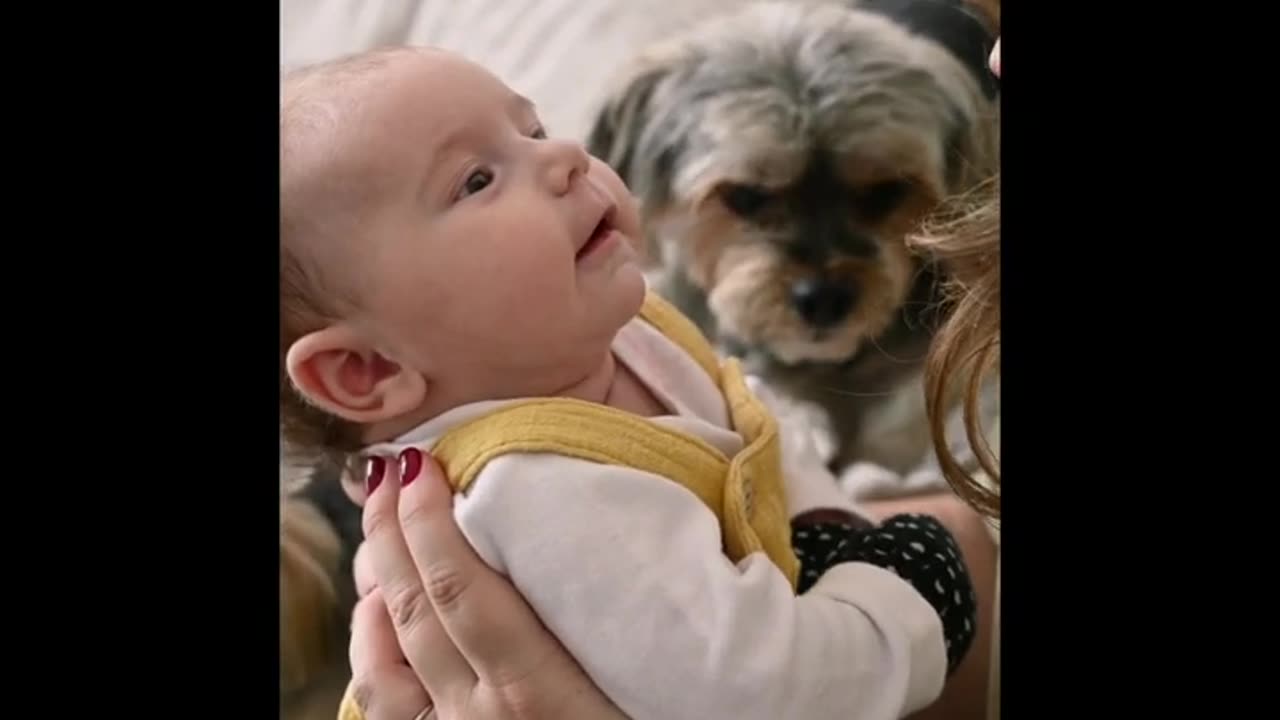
471	645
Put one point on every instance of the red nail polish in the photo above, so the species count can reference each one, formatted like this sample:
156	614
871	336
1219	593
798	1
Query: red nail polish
410	465
375	468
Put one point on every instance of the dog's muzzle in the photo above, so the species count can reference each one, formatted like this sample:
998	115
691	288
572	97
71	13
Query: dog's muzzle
821	303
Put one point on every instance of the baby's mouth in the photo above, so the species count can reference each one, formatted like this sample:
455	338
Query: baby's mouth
598	235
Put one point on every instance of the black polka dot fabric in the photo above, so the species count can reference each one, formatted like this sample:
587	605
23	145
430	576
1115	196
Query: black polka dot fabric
915	547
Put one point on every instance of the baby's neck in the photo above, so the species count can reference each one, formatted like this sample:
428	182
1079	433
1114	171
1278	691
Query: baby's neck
594	387
610	383
614	384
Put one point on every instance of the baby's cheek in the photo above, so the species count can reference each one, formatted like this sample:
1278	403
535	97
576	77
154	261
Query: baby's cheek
628	218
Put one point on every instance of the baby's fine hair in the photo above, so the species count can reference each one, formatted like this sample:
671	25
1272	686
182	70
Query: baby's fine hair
314	206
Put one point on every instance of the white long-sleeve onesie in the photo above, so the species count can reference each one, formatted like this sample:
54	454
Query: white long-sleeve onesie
626	568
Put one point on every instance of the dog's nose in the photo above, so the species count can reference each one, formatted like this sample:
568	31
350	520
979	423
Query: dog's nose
821	304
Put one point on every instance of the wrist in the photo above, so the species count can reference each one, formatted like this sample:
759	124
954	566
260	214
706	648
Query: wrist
920	550
831	516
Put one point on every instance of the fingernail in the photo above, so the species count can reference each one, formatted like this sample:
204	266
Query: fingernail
410	465
994	60
374	470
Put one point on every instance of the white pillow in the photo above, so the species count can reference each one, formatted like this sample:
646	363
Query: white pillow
559	53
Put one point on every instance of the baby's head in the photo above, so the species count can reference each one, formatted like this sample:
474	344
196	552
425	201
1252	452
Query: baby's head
436	248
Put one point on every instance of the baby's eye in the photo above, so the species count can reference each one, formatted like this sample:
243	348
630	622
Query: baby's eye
477	181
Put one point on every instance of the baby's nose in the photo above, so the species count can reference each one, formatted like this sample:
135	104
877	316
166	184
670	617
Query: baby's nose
565	160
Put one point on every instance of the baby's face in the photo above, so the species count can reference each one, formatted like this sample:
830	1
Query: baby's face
495	260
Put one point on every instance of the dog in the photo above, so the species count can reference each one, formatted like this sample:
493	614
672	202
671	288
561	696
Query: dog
319	533
781	153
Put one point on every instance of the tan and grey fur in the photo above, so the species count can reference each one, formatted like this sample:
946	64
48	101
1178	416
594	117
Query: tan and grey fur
780	154
319	531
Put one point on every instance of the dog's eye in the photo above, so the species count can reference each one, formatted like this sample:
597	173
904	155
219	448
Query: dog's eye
880	199
744	200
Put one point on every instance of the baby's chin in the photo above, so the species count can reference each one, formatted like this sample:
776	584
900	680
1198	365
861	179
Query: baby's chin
626	288
613	287
621	295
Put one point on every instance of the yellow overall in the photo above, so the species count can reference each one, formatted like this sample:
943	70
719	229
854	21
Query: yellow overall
745	492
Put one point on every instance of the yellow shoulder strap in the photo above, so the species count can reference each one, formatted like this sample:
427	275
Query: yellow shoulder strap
347	708
591	432
586	431
679	329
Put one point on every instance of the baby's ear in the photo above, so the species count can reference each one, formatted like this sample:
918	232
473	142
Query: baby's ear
341	373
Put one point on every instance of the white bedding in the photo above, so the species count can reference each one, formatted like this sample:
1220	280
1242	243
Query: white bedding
559	53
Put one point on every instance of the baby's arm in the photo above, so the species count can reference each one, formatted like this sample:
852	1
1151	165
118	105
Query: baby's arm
626	569
917	548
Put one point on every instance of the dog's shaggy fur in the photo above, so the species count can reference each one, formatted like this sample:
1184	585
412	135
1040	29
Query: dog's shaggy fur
781	153
319	531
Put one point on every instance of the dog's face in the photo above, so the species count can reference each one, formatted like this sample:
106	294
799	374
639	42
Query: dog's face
780	156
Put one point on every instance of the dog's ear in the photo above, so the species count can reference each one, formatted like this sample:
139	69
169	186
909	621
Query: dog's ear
626	113
973	145
630	133
988	11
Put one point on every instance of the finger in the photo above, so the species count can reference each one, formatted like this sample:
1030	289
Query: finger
365	581
430	652
488	620
358	487
383	685
374	645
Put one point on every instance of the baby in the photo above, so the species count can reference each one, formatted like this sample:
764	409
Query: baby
454	282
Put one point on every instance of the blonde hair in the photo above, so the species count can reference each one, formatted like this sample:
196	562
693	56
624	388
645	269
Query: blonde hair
310	611
965	237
